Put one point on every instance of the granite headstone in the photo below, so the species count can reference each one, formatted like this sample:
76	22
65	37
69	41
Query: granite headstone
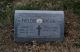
38	25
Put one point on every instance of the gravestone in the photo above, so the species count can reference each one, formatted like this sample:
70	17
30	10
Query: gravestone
38	25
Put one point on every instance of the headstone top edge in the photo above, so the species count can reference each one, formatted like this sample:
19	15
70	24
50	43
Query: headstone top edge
39	11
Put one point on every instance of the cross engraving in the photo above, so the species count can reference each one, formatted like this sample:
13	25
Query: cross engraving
39	29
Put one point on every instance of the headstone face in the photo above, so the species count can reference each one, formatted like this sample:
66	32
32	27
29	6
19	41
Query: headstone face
38	25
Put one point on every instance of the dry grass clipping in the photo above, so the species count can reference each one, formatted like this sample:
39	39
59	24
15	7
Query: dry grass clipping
7	45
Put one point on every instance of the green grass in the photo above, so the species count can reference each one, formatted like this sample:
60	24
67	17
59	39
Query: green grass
40	5
72	5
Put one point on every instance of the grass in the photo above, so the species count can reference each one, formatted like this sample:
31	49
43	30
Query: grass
72	35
